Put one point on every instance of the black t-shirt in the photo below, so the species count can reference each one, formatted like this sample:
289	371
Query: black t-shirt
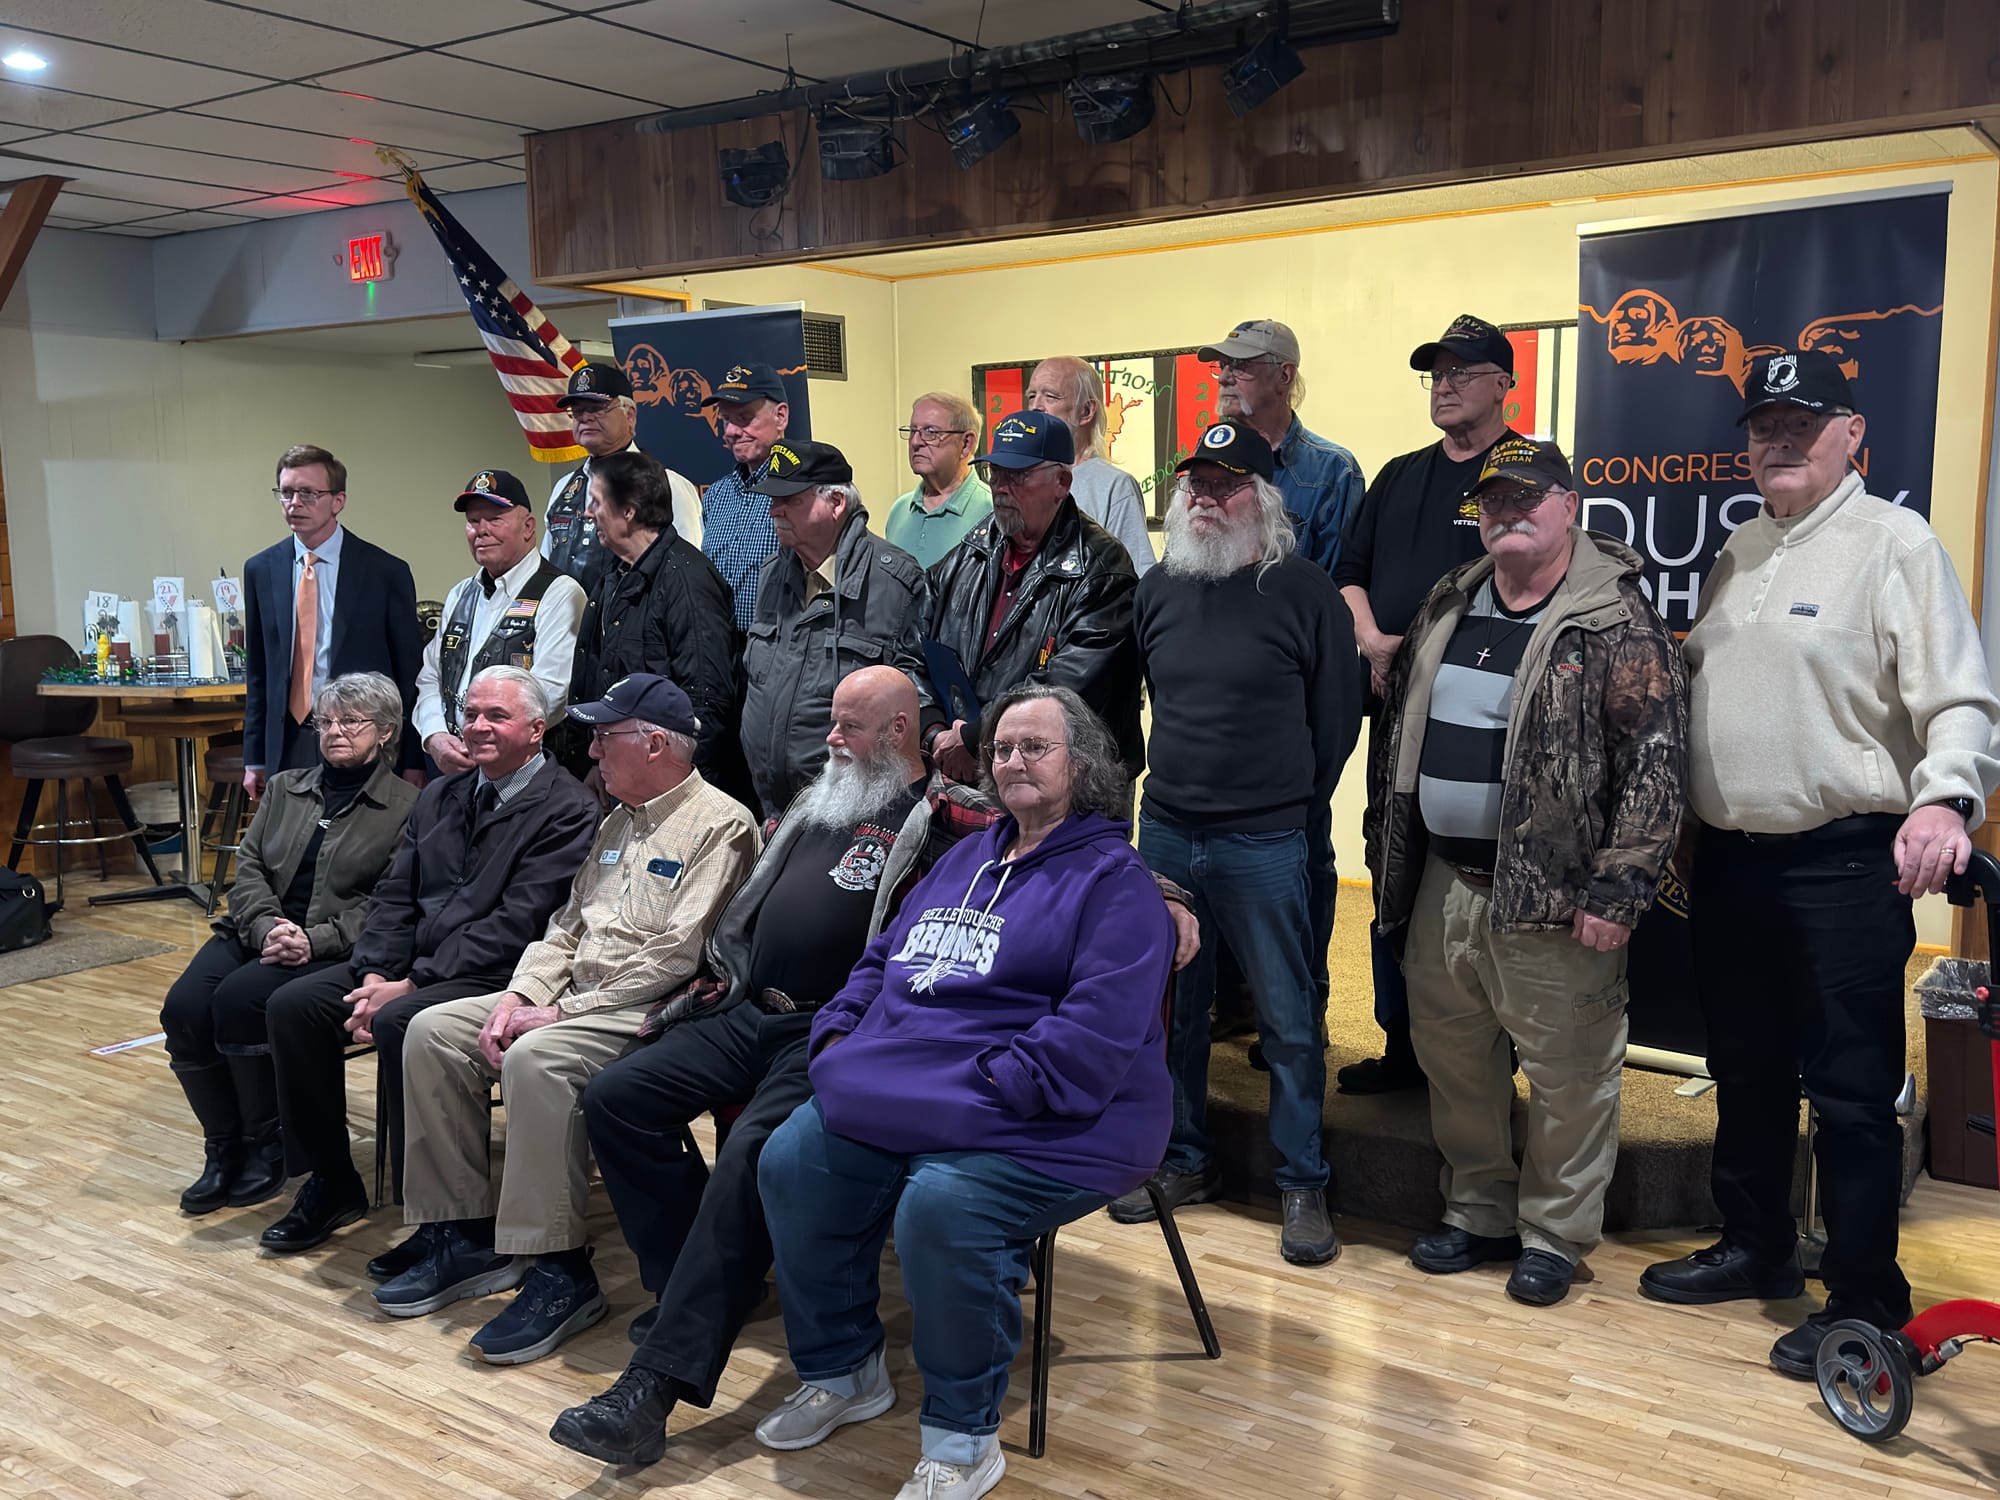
813	923
1414	525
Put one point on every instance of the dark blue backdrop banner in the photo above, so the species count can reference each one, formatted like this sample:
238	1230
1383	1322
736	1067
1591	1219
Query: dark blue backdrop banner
1671	315
675	360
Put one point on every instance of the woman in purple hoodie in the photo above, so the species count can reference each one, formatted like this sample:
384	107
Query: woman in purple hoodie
994	1069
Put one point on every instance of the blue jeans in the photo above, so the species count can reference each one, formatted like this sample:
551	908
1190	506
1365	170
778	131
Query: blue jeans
1252	890
965	1222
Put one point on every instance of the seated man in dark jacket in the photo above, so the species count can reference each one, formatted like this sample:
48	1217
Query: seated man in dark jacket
1038	592
486	858
834	598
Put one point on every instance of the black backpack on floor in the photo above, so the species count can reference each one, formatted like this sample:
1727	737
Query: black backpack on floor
24	911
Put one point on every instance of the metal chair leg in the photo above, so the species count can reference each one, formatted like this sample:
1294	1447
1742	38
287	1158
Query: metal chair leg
24	826
62	833
1184	1268
124	805
1044	1263
90	811
229	832
381	1135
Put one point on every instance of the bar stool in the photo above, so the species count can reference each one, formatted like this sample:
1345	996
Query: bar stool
222	766
50	745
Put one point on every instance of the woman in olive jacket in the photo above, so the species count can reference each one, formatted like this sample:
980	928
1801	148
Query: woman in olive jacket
321	838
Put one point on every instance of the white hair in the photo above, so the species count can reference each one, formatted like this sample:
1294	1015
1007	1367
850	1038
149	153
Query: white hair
855	784
533	698
1264	538
1086	388
685	743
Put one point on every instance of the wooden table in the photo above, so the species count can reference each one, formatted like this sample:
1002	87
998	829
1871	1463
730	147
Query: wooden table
189	711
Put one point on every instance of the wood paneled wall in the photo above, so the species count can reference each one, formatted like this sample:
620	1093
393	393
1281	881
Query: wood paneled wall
1463	89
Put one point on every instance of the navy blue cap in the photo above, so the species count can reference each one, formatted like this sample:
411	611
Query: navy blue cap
1028	438
1238	447
496	485
598	380
642	695
1808	378
747	383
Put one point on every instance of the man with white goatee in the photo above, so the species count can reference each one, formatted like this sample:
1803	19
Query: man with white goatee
1236	630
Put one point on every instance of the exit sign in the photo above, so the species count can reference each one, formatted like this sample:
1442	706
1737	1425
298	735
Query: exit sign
367	261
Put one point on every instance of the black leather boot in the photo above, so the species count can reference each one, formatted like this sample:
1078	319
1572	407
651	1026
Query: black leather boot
212	1097
261	1176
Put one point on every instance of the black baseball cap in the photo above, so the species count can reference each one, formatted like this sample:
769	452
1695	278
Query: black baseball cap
1528	462
795	467
598	380
642	695
747	383
1027	438
1236	446
1808	378
1471	339
496	485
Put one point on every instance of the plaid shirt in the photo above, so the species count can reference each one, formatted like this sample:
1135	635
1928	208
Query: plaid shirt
656	880
736	534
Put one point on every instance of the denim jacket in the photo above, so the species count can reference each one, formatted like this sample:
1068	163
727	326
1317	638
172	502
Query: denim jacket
1321	483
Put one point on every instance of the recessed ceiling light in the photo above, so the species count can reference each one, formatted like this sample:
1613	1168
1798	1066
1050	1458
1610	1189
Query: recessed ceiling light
20	60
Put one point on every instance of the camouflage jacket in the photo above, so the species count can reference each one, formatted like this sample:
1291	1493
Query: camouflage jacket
1596	751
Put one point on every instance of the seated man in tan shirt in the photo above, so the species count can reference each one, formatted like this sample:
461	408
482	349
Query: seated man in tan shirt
665	862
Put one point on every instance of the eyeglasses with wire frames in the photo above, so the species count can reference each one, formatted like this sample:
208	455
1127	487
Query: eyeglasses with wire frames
930	437
1000	477
1455	379
1219	489
600	734
1030	751
1795	422
1244	366
338	723
300	496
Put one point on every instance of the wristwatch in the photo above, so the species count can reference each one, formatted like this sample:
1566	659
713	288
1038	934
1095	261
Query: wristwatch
1963	806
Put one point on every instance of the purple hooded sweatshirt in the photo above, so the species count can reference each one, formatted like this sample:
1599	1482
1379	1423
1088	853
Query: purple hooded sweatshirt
1013	1007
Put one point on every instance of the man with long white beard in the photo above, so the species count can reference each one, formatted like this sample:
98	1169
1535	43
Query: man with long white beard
1248	655
840	859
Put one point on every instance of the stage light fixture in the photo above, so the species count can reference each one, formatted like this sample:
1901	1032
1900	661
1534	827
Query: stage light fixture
1110	107
757	177
1260	73
851	149
981	130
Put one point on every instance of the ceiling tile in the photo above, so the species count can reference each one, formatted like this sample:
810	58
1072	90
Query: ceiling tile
56	109
135	231
16	132
348	194
181	166
224	36
154	190
93	209
323	153
455	83
111	74
632	62
180	223
422	24
57	221
334	113
479	174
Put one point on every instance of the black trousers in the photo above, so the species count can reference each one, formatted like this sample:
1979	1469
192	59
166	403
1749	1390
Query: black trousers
1799	950
218	1004
308	1026
703	1249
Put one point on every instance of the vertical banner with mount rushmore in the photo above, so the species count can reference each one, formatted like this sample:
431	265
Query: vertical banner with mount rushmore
676	360
1670	317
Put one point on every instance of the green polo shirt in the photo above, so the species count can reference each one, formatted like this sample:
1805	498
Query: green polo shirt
928	534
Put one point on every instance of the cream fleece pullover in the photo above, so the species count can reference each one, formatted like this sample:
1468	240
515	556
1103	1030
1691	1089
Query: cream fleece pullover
1835	669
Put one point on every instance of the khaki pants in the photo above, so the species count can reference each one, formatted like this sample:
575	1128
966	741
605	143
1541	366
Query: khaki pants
544	1180
1564	1006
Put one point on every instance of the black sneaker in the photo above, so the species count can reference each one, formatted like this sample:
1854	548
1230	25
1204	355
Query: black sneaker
1541	1278
625	1425
1449	1250
1378	1075
1202	1185
455	1268
553	1304
1797	1353
322	1206
1722	1273
407	1256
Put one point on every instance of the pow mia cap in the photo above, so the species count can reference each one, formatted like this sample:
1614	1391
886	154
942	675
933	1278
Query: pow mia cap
599	380
1028	438
1807	378
1235	446
642	695
1525	461
795	467
1251	338
1472	340
496	485
747	383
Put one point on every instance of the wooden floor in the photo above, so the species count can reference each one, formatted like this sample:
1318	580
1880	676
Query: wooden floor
146	1354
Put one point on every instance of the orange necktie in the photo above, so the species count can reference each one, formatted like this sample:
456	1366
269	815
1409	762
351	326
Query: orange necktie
305	640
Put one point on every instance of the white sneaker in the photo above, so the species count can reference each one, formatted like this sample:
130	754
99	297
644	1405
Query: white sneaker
938	1480
811	1412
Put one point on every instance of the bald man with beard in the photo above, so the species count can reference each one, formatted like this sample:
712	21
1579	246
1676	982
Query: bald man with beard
830	877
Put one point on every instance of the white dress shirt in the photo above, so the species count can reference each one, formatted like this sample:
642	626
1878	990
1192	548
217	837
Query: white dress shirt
556	619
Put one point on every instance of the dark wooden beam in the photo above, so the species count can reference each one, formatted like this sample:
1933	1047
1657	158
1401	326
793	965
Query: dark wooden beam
28	205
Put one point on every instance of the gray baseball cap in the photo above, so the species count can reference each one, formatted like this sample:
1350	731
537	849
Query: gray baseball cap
1249	339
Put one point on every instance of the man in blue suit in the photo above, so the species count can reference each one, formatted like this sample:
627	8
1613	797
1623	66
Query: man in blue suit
322	603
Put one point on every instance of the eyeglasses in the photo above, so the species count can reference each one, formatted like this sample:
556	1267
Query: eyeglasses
1797	424
1457	379
338	724
302	497
1517	499
1217	489
930	437
599	736
1030	751
999	476
1244	366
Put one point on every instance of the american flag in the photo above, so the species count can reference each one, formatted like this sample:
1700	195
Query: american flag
532	358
